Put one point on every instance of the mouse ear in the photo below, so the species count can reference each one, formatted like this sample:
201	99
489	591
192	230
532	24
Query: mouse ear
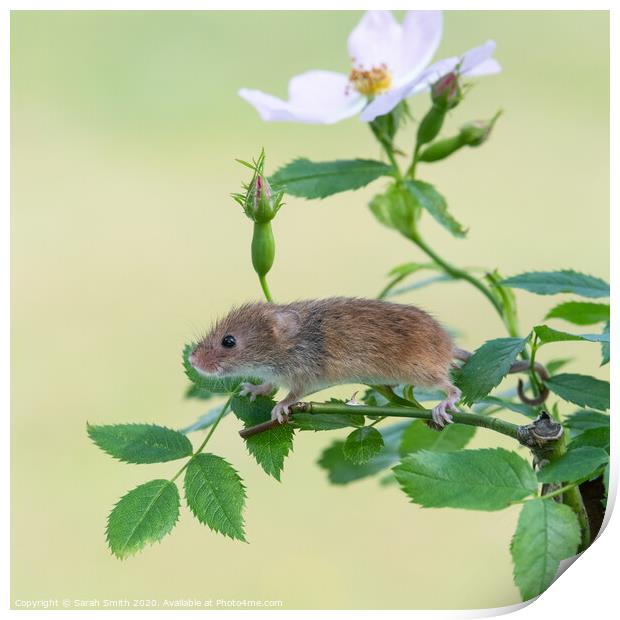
286	324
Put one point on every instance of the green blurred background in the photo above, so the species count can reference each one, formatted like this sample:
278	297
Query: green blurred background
126	244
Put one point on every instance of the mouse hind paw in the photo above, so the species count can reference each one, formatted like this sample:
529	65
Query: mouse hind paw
440	416
280	412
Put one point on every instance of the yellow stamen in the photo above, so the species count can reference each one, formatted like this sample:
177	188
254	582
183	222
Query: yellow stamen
372	82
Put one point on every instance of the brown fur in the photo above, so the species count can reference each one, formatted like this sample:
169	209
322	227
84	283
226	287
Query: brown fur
307	345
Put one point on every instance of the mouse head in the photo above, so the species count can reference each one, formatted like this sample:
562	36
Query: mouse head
248	341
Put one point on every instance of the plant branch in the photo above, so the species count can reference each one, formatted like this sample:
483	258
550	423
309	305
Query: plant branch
470	419
388	147
265	287
572	498
390	285
206	440
410	174
457	273
558	491
388	393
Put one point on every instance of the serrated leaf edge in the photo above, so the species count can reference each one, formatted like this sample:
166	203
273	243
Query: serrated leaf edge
151	424
146	542
241	531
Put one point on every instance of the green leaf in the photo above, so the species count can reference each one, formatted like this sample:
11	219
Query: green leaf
362	444
193	391
606	481
422	395
605	347
395	209
594	438
385	126
216	385
250	412
430	199
487	367
140	443
271	447
406	269
142	516
487	479
547	334
215	494
574	465
564	281
326	421
375	399
554	365
547	532
581	390
418	436
309	179
342	471
443	277
205	421
580	312
401	272
584	420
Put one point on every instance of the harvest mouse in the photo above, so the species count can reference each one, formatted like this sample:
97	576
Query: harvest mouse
308	345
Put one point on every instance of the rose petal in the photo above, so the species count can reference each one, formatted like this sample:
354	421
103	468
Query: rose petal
316	97
269	108
486	67
434	72
384	103
476	55
376	40
474	62
325	93
422	32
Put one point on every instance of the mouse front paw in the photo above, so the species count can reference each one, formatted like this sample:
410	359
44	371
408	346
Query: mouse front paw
251	390
280	412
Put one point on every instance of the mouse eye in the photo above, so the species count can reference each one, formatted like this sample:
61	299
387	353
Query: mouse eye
229	341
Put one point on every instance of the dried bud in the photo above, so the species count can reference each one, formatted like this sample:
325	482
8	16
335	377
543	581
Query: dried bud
475	133
260	204
258	200
260	196
446	91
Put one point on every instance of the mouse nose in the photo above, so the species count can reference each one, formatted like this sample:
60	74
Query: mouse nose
202	359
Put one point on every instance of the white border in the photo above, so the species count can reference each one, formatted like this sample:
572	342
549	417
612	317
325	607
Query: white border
588	586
